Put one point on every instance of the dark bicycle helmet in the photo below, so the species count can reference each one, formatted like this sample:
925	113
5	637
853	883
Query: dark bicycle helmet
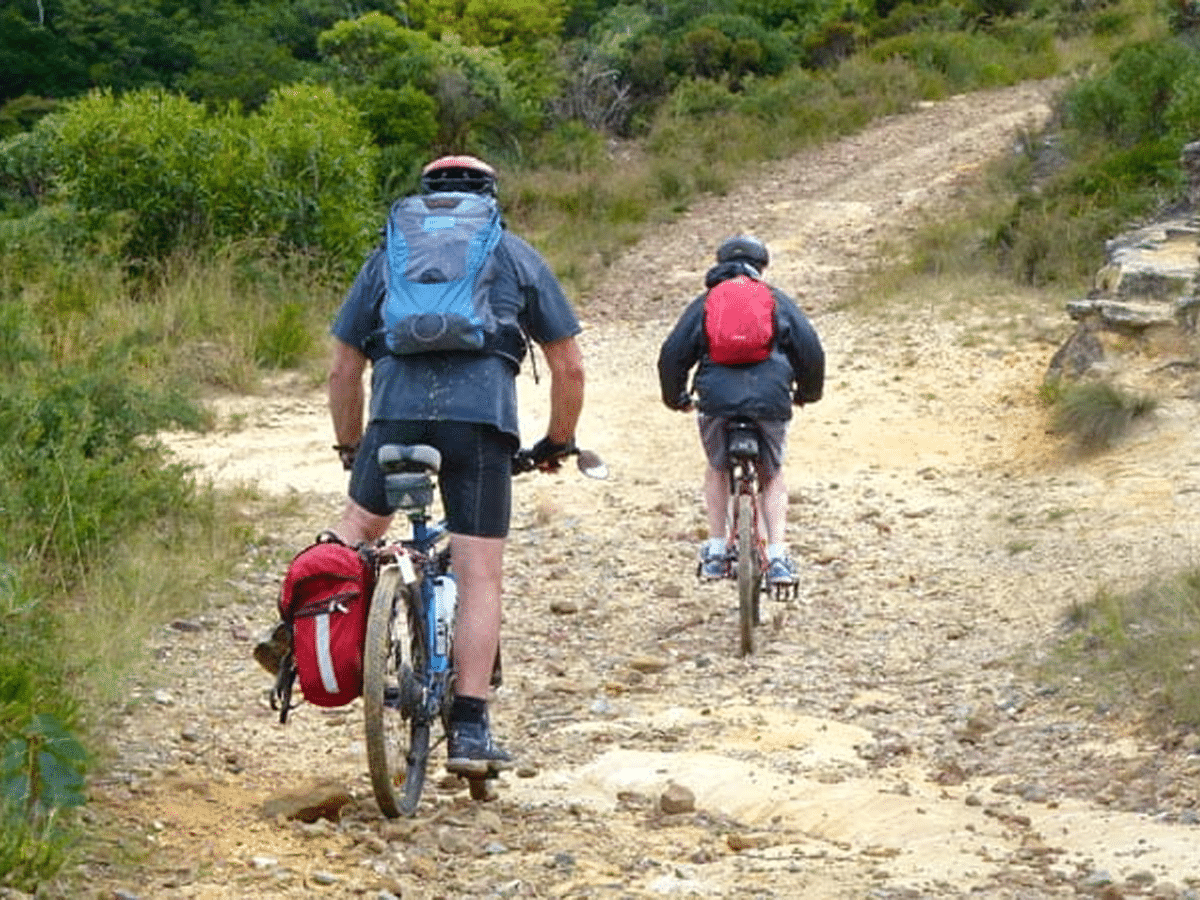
744	248
464	174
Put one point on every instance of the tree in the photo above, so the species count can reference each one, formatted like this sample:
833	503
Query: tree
515	25
376	48
124	44
61	48
34	60
383	66
239	67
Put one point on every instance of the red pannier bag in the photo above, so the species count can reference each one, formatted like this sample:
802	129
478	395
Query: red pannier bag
325	597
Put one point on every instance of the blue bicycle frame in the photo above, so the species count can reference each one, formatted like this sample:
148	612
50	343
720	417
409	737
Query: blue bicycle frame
437	634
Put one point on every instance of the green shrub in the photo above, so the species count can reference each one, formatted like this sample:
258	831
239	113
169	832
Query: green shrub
1056	229
36	249
1182	115
965	60
698	98
722	45
572	147
41	763
18	341
301	171
320	168
31	853
1132	101
884	87
42	769
80	471
832	44
1047	239
141	153
775	101
27	166
906	17
21	113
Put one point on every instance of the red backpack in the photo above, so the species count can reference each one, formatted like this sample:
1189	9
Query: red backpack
325	597
739	321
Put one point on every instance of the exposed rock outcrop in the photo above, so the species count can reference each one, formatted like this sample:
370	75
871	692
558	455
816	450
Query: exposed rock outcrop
1140	316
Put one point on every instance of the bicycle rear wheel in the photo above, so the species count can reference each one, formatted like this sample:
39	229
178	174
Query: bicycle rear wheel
748	574
391	696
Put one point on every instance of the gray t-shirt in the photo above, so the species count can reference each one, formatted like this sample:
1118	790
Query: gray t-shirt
458	386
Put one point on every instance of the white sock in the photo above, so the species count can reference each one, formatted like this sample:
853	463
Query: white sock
776	551
715	546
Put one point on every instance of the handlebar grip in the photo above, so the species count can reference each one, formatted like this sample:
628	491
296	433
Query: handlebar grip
523	462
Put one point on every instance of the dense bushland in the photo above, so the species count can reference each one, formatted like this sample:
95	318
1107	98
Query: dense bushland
173	218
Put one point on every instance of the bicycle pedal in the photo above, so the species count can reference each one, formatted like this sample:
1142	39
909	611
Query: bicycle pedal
785	592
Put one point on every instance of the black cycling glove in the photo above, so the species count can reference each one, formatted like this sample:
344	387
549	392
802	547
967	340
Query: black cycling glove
548	455
346	453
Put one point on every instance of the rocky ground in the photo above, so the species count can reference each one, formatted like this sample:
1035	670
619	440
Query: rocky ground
888	739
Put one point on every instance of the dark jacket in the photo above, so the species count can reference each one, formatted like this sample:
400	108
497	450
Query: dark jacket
793	373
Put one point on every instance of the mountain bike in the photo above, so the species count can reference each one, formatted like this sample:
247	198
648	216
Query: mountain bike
747	550
408	660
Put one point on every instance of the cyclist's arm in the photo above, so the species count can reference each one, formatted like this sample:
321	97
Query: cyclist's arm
804	352
346	395
679	353
565	361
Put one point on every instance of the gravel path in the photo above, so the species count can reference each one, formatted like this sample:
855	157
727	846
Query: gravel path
886	742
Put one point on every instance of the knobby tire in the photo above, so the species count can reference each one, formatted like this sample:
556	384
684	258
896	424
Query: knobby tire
397	772
748	573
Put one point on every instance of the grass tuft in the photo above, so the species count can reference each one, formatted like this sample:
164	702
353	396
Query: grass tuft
1096	414
1141	649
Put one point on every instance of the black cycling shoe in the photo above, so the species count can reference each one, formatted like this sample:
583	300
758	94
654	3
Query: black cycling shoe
471	753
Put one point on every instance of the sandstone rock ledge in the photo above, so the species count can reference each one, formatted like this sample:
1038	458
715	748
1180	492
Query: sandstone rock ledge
1140	318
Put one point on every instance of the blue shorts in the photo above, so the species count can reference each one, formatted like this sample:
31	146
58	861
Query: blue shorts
475	481
772	443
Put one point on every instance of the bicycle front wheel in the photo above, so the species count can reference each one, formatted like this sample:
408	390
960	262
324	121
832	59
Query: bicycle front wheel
391	694
748	573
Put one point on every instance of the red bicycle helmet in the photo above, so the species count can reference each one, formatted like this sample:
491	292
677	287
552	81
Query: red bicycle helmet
465	174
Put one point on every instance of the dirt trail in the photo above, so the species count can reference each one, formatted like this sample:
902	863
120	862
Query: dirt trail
882	744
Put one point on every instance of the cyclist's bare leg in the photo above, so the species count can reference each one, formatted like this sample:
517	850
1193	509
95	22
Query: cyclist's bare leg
478	570
716	501
773	505
359	525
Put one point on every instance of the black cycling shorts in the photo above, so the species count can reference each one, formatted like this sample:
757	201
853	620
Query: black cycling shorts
475	481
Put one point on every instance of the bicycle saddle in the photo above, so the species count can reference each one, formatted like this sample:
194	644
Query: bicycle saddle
406	475
743	440
409	458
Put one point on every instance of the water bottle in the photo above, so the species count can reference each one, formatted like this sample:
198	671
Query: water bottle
445	600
